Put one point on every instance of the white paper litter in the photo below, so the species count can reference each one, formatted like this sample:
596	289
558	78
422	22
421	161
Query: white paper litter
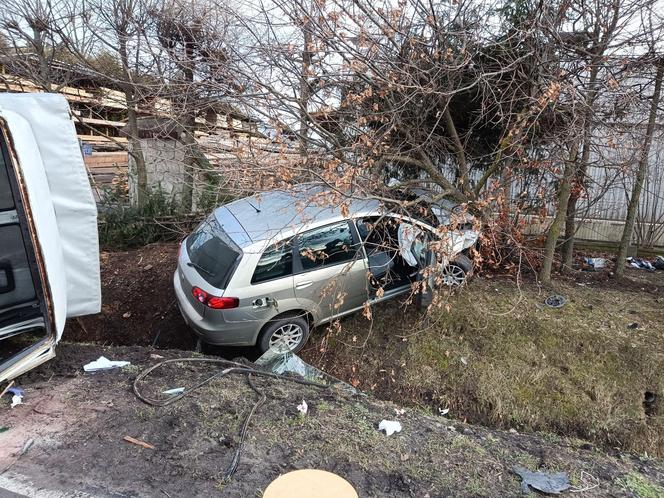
175	390
17	399
103	363
303	408
389	426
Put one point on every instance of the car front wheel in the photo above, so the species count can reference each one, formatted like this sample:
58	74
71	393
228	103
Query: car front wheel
457	271
290	333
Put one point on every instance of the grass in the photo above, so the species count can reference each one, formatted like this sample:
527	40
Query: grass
640	486
496	355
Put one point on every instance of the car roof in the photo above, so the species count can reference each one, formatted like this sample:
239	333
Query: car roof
276	214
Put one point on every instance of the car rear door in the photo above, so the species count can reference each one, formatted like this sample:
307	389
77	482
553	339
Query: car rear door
27	332
330	271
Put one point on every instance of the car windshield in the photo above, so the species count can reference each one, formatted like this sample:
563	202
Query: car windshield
212	253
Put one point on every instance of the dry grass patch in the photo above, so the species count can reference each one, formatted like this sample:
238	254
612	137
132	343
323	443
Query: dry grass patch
498	356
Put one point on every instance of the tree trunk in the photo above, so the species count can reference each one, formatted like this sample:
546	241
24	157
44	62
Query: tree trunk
137	153
580	174
633	205
40	51
189	134
459	151
557	224
304	89
190	149
136	150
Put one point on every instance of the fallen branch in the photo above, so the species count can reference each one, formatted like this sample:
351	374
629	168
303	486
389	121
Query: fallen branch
138	442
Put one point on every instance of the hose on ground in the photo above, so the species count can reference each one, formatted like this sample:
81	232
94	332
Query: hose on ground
232	367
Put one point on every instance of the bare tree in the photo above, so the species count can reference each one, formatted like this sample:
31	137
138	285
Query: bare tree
197	72
641	172
598	31
31	44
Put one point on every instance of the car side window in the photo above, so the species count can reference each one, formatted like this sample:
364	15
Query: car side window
378	234
276	262
326	246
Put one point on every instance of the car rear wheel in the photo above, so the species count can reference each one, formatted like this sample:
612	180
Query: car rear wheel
457	272
289	333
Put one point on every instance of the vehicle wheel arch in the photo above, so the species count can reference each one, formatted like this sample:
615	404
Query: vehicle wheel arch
294	312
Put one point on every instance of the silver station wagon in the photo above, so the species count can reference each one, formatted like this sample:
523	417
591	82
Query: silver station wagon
264	270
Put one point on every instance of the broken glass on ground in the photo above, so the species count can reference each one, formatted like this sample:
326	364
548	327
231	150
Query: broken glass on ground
284	362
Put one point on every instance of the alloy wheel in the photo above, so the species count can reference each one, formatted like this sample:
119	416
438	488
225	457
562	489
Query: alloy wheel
454	276
288	335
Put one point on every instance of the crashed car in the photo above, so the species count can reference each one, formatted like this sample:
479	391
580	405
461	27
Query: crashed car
264	270
49	254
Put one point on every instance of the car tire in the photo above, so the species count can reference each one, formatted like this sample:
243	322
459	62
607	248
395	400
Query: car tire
288	327
458	271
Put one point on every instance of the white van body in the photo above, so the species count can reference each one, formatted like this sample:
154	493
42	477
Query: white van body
57	214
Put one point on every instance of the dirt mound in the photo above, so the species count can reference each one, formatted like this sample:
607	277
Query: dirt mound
139	304
78	423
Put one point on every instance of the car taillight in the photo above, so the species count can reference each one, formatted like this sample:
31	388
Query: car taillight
214	302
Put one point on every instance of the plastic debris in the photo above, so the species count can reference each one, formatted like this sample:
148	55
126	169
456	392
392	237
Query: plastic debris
17	399
16	390
659	263
555	301
303	408
595	263
552	483
464	360
174	391
4	429
389	426
103	363
442	412
633	325
640	264
399	411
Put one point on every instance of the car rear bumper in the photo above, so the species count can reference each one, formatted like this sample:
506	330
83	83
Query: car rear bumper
215	333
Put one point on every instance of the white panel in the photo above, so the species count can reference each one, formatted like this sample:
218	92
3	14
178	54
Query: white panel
54	140
31	170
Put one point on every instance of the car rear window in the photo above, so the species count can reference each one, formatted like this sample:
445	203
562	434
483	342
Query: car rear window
212	253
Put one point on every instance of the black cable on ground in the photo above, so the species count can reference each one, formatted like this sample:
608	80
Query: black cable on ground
232	467
232	368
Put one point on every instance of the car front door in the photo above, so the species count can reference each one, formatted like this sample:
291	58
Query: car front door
330	271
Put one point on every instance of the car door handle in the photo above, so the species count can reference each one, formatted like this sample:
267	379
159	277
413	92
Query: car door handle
303	285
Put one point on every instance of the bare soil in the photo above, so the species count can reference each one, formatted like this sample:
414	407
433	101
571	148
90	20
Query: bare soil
77	423
139	306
